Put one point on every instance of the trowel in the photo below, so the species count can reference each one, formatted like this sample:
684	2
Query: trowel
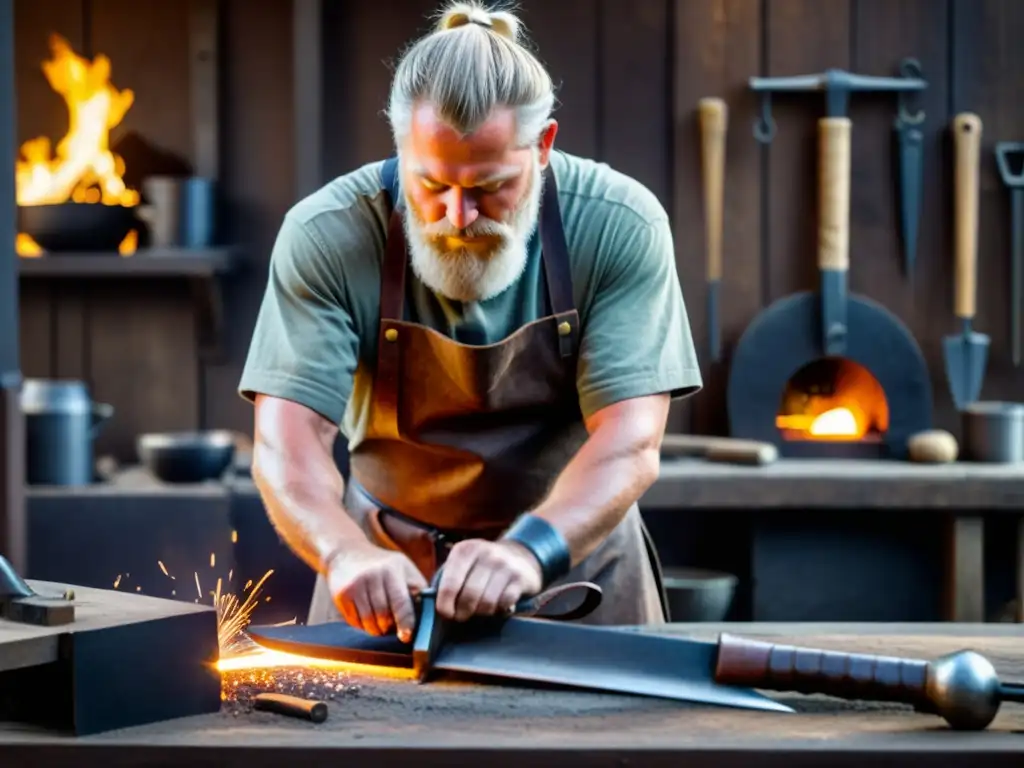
966	353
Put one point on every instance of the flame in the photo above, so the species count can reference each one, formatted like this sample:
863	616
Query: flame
263	658
837	421
83	170
833	399
840	423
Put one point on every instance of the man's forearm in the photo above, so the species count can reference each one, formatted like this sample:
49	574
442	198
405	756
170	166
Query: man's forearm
613	468
302	497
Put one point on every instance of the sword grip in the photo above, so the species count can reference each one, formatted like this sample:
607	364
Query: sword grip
852	676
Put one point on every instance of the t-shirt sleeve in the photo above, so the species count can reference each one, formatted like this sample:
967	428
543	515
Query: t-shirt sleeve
636	336
303	313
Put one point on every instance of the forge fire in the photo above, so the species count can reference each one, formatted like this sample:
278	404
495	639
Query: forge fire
81	168
833	399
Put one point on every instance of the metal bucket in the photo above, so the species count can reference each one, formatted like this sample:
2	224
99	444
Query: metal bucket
993	432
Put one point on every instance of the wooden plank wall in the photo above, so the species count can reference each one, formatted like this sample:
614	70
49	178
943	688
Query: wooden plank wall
631	74
133	342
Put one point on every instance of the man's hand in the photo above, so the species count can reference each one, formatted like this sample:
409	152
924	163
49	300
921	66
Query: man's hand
486	578
372	588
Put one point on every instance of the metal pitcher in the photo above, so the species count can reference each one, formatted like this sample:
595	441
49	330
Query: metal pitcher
61	422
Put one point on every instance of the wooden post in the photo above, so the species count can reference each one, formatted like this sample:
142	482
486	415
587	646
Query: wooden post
204	79
12	440
308	74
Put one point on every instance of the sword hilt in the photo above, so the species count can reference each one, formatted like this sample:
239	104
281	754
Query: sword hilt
962	688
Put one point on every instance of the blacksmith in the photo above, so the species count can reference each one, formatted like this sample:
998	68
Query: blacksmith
496	327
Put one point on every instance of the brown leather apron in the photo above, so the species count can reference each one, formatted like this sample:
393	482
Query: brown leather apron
462	439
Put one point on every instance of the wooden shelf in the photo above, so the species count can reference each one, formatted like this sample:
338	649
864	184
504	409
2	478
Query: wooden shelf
202	268
157	262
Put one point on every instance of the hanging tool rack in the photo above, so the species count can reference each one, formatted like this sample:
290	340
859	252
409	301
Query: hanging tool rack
837	85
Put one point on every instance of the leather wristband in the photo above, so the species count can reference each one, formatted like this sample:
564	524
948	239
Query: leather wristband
545	543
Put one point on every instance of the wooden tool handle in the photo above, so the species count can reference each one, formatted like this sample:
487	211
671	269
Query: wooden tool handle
756	454
292	706
724	449
967	149
859	676
714	122
834	190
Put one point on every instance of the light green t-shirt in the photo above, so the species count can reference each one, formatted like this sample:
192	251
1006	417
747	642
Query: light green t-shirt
315	340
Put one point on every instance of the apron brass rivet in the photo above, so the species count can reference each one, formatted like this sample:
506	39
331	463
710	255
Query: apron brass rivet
564	329
390	334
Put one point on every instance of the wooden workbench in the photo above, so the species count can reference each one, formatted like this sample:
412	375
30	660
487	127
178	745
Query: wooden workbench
959	495
387	719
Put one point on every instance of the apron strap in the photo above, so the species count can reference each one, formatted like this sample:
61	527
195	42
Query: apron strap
557	271
557	268
392	304
392	294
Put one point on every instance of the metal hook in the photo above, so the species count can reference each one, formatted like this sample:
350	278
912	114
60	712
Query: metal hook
764	126
910	68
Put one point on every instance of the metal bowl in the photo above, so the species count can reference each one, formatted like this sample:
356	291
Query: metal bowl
698	595
187	457
81	227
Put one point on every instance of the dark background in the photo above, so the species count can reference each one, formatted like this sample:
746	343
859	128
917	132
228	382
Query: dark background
631	74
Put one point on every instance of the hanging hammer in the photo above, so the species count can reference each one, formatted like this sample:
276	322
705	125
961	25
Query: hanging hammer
837	85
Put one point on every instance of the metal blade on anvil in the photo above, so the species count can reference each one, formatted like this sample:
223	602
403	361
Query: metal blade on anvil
542	651
430	635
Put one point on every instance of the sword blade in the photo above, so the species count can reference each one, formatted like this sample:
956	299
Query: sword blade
598	658
333	641
541	651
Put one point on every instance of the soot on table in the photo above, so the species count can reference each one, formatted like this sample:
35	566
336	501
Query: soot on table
239	687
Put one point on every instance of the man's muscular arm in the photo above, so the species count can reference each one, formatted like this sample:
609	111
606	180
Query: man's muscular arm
301	488
615	466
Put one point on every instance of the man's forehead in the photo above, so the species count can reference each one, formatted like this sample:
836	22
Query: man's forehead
468	174
493	140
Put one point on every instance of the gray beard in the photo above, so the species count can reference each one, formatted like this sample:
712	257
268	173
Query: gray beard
465	275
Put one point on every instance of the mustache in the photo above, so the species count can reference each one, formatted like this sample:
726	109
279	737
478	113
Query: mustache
482	227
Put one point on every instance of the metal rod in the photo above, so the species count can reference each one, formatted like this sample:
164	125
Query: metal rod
836	84
12	450
1016	270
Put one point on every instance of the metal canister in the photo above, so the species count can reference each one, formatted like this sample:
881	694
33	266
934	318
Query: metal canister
993	432
61	422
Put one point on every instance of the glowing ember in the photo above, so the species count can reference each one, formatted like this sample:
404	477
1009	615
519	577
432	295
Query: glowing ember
262	658
835	423
241	657
83	170
241	686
